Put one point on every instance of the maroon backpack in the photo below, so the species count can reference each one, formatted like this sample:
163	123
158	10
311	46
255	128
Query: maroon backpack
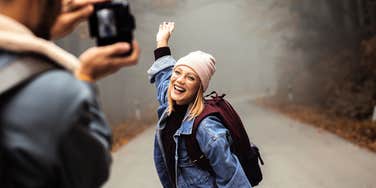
247	153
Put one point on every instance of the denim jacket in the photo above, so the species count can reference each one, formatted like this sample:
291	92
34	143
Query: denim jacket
212	136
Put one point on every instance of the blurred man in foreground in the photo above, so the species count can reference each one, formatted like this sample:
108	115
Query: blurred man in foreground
52	130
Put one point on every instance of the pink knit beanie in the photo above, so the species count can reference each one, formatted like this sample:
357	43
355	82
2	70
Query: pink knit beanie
202	63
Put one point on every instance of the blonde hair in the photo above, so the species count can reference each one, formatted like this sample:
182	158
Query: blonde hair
194	108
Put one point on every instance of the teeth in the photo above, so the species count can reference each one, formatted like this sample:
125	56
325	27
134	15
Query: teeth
179	88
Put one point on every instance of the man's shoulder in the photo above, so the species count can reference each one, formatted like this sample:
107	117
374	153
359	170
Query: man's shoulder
56	82
7	57
52	96
58	78
62	83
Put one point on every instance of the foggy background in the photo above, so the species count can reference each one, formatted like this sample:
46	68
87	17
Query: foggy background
252	41
304	52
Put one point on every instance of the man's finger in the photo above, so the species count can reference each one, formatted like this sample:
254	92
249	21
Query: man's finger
79	14
129	60
81	3
114	49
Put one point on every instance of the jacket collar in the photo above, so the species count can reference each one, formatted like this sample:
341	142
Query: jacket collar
185	127
16	37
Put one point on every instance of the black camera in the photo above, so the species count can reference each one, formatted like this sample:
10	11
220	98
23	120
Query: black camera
112	22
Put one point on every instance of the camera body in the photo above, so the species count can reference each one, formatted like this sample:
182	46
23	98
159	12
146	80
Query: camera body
112	22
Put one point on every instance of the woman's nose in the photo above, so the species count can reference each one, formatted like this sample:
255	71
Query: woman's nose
180	79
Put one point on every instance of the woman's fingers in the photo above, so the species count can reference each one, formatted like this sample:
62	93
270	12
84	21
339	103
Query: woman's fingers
167	26
171	27
164	33
160	27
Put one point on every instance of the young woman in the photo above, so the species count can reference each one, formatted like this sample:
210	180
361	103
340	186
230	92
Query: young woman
180	88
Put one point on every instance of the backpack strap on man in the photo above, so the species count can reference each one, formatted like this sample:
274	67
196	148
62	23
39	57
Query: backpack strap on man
20	70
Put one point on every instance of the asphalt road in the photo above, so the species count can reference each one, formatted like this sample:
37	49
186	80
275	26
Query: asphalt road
296	155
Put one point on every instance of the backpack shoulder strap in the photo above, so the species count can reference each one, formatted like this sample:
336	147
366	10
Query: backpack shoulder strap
193	148
20	70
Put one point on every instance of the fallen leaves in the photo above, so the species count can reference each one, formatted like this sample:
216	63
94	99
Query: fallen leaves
124	132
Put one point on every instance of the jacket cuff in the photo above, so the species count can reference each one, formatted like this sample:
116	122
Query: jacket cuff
162	51
159	65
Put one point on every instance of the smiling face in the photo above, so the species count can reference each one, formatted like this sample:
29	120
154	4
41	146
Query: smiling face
184	85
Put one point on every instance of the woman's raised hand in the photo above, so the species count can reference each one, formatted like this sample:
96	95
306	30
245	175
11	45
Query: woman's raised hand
164	33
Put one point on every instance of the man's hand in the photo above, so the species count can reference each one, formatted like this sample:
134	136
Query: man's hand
73	12
98	62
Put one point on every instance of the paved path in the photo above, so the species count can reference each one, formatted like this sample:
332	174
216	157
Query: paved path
296	155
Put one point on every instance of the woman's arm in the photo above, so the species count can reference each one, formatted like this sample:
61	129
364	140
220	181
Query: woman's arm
214	140
160	72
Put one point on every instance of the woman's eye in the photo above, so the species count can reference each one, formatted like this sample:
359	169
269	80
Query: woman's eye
191	78
177	72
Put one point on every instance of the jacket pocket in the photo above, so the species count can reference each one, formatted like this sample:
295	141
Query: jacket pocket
190	173
194	176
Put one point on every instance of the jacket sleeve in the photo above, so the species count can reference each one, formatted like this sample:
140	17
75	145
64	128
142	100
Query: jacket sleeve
159	74
85	148
214	141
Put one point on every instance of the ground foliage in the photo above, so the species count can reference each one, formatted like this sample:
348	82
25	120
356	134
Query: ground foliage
124	132
343	84
336	92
